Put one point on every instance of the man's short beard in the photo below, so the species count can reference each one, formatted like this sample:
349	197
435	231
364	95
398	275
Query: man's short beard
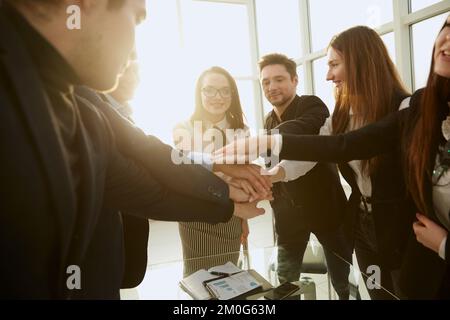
281	103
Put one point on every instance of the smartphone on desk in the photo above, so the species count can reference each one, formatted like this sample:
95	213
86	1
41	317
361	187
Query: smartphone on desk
281	292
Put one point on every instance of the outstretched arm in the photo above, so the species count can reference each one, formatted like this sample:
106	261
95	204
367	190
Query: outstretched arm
156	158
372	140
375	139
132	190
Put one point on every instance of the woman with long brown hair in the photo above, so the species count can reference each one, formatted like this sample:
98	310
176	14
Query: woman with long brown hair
420	136
367	88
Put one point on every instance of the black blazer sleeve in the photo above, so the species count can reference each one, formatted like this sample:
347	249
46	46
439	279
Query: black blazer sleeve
310	117
156	157
372	140
132	190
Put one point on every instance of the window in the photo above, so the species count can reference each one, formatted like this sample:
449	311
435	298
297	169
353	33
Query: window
331	17
165	94
301	83
216	34
417	5
423	37
196	36
278	24
247	98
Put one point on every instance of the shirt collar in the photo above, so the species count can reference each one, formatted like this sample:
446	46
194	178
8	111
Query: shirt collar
222	124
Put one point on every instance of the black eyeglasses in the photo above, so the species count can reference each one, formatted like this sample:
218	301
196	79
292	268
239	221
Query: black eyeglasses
211	92
438	173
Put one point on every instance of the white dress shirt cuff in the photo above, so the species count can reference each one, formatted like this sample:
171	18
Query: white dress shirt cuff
442	248
276	143
295	169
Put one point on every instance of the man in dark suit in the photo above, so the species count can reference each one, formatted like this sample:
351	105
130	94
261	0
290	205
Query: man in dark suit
314	202
61	173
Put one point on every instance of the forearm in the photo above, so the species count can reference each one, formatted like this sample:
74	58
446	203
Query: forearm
365	143
320	148
157	159
130	189
177	207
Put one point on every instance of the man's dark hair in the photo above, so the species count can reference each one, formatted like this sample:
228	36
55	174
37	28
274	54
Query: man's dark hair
277	58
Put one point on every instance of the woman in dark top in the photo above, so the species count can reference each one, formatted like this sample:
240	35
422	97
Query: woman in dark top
420	137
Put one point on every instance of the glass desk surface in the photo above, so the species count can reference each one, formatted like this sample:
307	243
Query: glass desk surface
162	280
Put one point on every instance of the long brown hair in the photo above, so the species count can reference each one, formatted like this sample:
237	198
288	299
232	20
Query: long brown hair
234	114
372	82
419	142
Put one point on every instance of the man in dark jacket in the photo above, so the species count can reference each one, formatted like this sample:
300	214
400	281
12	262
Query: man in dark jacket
61	173
314	202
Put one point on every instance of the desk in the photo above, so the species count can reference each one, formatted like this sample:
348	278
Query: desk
162	280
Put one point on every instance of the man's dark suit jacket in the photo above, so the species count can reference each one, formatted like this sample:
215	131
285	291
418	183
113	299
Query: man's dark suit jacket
41	232
318	195
423	274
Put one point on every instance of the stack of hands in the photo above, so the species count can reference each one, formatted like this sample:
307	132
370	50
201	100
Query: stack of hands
248	184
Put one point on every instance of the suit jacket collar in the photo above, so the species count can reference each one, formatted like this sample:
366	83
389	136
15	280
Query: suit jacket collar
288	114
36	109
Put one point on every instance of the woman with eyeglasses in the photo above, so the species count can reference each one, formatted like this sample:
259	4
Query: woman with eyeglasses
217	120
420	136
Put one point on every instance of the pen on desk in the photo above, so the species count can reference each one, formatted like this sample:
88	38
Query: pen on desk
216	273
